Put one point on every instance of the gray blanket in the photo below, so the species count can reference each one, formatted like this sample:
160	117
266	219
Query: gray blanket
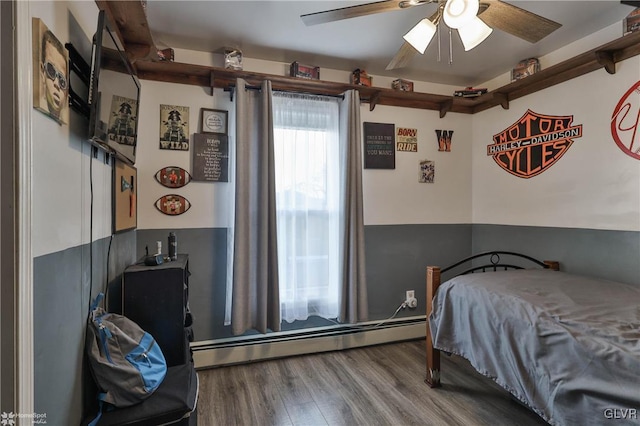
565	345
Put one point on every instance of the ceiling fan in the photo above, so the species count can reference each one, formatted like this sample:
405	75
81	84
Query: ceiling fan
474	21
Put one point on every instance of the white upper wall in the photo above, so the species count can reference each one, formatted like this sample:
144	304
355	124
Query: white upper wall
209	201
594	185
576	48
394	197
390	196
61	157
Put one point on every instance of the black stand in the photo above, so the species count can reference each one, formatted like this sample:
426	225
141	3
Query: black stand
82	70
173	403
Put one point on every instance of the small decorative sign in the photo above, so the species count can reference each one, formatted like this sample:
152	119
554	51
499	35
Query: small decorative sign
427	172
124	193
533	143
210	157
173	177
407	139
444	140
213	121
174	127
379	146
172	205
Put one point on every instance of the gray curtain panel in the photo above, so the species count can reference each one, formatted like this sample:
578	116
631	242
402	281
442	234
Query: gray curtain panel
353	301
255	297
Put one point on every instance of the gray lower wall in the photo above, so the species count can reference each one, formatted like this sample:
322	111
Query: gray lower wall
207	250
613	255
396	258
61	294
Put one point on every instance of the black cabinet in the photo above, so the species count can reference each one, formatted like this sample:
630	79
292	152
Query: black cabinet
157	299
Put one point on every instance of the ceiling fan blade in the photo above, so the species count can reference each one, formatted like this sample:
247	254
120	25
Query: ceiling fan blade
404	55
351	12
516	21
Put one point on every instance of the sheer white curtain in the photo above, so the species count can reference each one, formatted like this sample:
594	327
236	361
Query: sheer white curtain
308	195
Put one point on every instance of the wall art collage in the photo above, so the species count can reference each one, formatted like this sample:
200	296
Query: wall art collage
210	153
382	140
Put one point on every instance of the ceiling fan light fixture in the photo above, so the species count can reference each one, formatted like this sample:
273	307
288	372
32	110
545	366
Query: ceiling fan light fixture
420	36
458	13
474	33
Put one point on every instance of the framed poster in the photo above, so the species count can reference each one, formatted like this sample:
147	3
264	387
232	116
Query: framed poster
213	121
50	73
427	172
379	146
174	127
210	158
125	194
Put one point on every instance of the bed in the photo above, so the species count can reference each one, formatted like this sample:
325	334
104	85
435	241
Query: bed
566	346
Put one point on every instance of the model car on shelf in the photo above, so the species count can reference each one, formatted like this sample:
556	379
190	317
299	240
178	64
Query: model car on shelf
470	92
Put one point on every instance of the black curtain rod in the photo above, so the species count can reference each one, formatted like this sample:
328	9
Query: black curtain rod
232	88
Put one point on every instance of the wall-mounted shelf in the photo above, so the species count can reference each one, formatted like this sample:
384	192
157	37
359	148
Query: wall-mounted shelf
131	19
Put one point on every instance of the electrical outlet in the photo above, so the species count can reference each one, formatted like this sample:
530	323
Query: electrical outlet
411	301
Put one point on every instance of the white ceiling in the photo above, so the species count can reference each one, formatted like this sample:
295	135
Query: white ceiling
273	30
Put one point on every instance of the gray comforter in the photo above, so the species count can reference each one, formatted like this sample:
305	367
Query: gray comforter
565	345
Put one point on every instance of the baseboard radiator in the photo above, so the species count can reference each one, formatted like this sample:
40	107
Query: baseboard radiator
217	353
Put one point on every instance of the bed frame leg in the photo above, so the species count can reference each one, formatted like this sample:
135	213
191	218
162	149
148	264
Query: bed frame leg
433	379
552	264
433	355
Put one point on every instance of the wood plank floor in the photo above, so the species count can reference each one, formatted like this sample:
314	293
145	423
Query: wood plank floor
379	385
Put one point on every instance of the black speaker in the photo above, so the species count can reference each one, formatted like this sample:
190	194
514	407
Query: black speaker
156	298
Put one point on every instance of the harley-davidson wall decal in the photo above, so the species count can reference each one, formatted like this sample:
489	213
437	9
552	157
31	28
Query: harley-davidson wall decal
533	143
625	120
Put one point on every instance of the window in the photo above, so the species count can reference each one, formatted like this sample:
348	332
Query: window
308	200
